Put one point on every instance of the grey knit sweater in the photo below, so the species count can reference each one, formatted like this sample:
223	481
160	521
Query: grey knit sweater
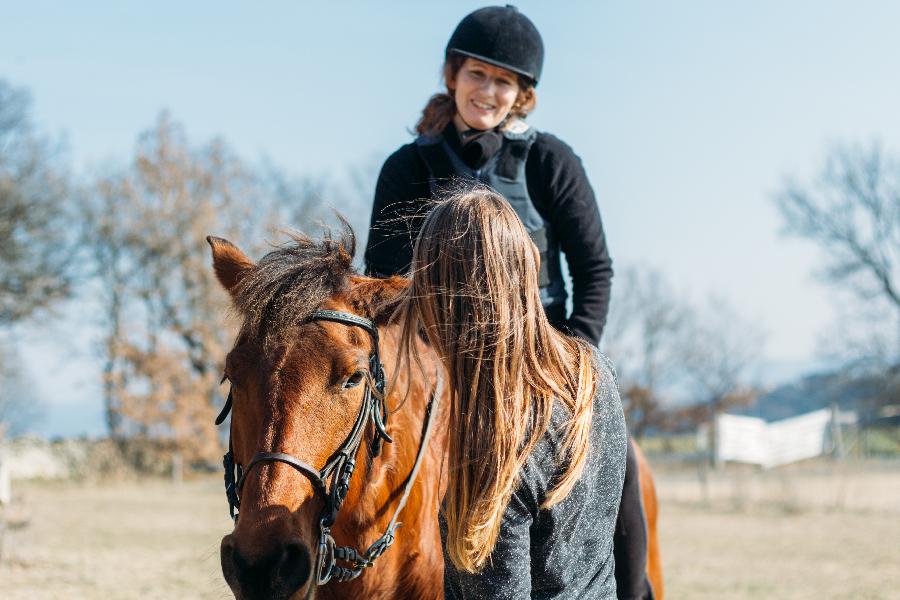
565	552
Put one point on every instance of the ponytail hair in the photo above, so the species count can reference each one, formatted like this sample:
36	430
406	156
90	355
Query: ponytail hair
441	107
437	114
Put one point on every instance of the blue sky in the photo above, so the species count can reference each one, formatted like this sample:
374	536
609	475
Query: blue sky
687	116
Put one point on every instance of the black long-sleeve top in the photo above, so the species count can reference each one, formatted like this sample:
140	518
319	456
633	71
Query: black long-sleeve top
564	552
556	180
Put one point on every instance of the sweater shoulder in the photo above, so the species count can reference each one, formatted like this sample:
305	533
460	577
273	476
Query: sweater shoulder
554	166
545	464
405	158
548	146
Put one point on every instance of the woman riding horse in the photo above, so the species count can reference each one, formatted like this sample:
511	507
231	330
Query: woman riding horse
477	131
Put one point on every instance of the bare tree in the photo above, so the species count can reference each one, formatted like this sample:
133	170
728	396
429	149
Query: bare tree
643	337
34	197
146	229
35	248
302	200
851	211
359	194
311	200
18	408
163	311
720	349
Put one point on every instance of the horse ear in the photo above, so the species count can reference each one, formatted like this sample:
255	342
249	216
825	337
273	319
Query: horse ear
374	297
229	263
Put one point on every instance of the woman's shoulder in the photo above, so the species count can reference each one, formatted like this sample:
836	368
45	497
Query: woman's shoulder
607	378
402	173
404	157
554	162
547	145
543	465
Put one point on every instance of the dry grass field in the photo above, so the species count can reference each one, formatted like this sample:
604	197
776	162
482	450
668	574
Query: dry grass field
811	532
815	531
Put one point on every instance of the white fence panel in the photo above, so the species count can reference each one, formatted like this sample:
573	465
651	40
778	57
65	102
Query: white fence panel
752	440
798	438
741	439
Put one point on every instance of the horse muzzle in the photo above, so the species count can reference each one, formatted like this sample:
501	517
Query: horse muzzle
281	571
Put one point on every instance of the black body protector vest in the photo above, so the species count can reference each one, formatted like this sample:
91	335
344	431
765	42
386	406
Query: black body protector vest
505	173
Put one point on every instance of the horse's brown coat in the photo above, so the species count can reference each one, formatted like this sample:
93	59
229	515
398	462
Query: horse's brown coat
651	512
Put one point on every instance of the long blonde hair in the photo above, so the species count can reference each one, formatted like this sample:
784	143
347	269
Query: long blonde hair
475	295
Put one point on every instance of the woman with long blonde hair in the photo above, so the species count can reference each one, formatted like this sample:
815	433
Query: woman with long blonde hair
537	435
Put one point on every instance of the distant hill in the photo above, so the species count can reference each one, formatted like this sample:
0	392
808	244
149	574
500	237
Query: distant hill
816	391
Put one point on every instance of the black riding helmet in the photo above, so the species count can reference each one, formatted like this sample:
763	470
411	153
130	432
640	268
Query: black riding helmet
501	36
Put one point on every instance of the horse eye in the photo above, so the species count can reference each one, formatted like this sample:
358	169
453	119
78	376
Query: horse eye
354	380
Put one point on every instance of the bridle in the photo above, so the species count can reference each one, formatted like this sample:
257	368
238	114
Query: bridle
339	468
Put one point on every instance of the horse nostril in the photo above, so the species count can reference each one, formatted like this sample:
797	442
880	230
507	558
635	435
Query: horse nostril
280	572
231	564
295	566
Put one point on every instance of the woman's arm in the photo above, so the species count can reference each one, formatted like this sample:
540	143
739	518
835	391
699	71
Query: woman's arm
507	574
571	207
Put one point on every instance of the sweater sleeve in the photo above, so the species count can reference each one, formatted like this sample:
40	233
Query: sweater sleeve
571	208
507	574
396	213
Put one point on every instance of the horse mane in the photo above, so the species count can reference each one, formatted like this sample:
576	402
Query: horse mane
292	281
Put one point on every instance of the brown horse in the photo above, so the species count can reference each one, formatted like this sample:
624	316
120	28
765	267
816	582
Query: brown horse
651	512
305	394
299	386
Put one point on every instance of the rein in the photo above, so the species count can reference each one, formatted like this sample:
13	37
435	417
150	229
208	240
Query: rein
340	467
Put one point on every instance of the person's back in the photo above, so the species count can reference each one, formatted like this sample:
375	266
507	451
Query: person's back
536	430
569	544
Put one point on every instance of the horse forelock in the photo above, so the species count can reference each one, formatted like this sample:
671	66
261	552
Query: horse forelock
284	288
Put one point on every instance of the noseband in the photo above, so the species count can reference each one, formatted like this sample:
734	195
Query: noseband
333	480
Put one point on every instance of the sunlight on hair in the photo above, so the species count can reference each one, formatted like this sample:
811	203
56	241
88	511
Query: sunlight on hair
475	297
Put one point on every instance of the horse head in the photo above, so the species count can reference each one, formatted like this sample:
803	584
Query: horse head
306	412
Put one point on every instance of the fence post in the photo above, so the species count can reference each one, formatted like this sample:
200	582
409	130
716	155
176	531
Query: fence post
5	484
837	439
177	468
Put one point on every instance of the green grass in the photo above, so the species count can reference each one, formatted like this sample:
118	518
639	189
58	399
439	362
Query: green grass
881	442
683	443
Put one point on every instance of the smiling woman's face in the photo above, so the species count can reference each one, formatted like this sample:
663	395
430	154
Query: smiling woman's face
484	95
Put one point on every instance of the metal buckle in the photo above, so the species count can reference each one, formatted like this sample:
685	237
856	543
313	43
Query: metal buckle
325	559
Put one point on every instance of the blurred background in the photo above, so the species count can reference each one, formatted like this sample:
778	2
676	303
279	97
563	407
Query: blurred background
746	162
